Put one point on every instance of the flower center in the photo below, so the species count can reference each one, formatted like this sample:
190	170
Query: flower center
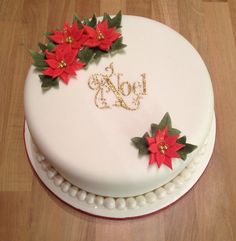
162	147
69	39
100	35
62	64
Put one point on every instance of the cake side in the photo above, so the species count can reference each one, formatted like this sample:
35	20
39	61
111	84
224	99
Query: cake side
90	146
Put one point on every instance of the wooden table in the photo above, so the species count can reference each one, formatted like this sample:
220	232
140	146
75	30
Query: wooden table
29	212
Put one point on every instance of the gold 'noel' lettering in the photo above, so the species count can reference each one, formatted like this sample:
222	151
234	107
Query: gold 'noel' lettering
112	91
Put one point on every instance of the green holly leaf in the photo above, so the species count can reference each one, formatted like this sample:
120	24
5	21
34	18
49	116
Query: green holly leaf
117	45
38	58
188	148
85	54
92	22
182	154
141	144
79	22
115	21
173	132
182	140
50	46
48	82
42	46
98	54
166	121
47	34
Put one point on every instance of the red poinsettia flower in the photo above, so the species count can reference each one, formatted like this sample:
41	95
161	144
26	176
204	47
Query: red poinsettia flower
70	35
102	36
63	63
163	148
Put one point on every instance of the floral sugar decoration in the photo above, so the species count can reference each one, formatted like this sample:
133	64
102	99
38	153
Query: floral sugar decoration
163	144
75	46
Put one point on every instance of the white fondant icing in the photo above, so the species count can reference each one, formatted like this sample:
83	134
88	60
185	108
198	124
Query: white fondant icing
91	147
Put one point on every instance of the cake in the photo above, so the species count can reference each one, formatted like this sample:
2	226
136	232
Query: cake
83	130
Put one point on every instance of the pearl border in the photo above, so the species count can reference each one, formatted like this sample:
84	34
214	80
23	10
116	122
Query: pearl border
111	203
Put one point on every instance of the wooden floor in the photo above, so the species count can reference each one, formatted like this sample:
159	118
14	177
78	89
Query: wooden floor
29	212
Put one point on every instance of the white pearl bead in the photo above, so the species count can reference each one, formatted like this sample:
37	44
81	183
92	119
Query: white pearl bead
150	197
141	200
45	165
65	186
73	191
109	202
51	172
131	202
90	198
81	195
160	192
179	181
58	180
99	200
120	203
170	187
185	174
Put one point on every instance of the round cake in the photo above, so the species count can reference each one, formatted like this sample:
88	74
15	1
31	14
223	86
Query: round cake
84	128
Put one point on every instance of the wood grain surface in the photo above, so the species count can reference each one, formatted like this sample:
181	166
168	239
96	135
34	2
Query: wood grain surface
29	212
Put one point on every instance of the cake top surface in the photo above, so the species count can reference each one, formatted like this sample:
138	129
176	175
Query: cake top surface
92	144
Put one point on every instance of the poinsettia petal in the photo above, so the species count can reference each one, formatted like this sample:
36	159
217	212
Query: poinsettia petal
50	55
152	158
57	72
52	63
90	31
59	38
153	148
171	152
159	136
168	162
91	42
150	140
70	70
49	71
159	158
171	140
64	77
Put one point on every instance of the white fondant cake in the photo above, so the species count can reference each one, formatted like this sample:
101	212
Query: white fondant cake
90	146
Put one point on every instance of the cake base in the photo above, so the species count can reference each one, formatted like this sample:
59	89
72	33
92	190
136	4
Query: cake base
134	206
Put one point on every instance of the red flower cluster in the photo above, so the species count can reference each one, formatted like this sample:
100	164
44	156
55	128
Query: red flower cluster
62	61
163	148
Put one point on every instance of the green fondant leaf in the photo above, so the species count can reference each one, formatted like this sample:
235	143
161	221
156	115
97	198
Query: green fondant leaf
182	140
98	54
48	82
92	22
154	129
141	144
42	46
115	21
117	45
50	46
173	131
166	121
86	54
